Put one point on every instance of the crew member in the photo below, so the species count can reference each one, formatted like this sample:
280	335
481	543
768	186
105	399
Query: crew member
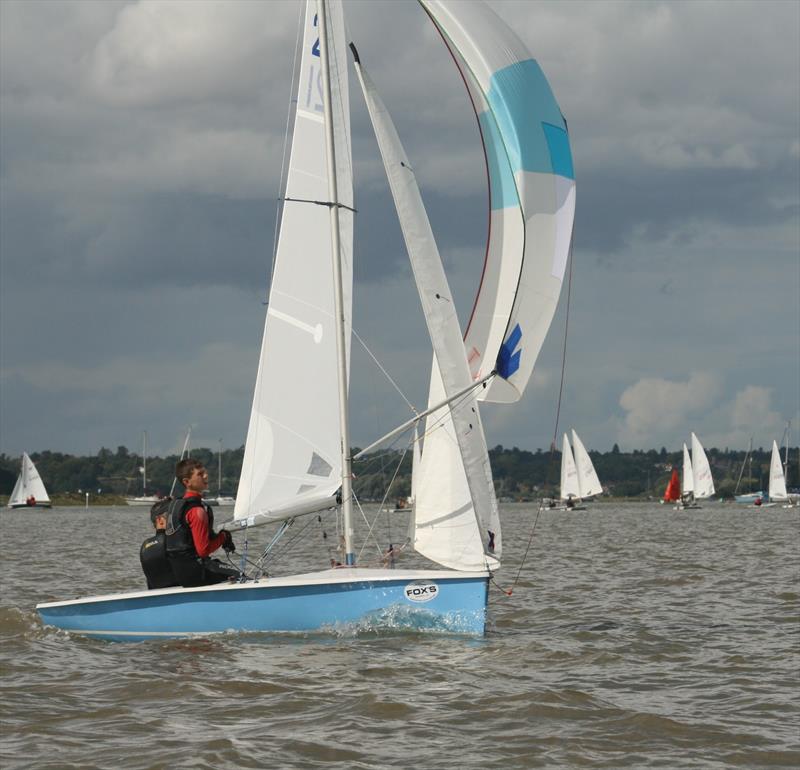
153	553
190	536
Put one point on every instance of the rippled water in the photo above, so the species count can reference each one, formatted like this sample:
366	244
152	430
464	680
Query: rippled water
637	636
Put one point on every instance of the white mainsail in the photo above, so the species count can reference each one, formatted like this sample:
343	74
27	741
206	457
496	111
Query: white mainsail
292	459
777	480
467	456
532	194
701	470
29	484
687	482
569	473
588	482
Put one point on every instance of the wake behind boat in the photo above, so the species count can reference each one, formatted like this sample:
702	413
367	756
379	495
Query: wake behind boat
297	459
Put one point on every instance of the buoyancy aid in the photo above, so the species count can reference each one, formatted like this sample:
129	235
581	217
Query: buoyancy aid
179	540
155	565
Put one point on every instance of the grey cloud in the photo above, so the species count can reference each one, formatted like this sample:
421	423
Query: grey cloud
137	197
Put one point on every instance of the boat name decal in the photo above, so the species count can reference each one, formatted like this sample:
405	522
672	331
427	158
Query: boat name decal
421	591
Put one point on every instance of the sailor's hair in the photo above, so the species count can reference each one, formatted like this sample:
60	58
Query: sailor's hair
184	468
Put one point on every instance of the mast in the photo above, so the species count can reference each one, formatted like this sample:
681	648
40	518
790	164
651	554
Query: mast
144	463
219	472
744	463
786	451
341	346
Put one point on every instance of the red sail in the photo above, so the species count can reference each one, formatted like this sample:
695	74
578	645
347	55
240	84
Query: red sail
673	490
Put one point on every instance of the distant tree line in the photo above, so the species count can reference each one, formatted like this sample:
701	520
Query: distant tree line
519	474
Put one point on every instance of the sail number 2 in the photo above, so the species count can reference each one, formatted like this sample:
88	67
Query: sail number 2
313	90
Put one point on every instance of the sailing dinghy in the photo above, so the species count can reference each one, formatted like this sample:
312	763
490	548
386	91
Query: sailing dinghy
698	484
777	478
673	491
297	460
579	480
29	491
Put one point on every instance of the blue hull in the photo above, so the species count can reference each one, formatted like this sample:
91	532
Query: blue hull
415	599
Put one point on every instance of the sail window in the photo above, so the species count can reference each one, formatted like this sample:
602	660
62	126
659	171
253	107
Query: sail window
319	467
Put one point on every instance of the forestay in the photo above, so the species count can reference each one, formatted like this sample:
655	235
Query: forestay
462	456
292	459
531	194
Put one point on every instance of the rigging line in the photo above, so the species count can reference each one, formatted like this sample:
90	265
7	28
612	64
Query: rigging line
343	116
367	522
430	410
558	415
383	502
284	171
327	204
288	545
383	370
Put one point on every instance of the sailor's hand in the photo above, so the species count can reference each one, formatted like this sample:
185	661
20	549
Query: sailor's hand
227	544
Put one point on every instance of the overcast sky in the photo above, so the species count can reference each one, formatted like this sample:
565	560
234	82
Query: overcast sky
140	155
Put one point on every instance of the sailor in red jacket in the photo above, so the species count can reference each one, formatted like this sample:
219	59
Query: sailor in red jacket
190	536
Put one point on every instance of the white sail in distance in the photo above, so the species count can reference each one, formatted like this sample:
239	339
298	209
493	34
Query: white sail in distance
468	456
687	482
569	473
777	480
703	481
588	482
292	460
532	194
29	484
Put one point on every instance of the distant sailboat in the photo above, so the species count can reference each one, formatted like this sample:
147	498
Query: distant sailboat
579	479
221	501
750	497
673	491
29	491
144	498
687	482
703	480
588	482
777	478
698	484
